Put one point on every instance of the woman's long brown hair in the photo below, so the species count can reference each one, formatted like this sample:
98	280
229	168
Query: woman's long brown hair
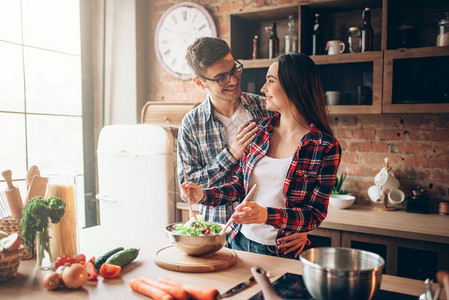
301	82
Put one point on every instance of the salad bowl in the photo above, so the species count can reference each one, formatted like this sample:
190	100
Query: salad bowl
196	245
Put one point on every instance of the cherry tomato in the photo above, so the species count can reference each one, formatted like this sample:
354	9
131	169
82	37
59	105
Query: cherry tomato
109	271
90	268
64	260
69	260
79	257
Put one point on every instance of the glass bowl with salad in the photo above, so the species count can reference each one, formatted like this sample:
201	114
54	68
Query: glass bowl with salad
197	237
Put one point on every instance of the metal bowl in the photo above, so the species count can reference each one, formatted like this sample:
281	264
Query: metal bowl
341	273
196	245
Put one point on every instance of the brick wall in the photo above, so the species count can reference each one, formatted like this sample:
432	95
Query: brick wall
416	145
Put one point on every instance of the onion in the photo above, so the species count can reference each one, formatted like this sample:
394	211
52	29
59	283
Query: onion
74	276
51	281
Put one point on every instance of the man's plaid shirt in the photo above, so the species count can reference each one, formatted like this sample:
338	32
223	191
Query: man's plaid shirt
203	150
307	187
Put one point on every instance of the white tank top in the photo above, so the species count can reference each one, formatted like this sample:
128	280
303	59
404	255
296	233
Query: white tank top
232	124
269	174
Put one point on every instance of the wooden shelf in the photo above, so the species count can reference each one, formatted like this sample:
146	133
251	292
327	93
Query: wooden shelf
256	63
335	18
416	80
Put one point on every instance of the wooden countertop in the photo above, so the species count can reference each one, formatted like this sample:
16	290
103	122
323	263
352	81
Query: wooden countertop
95	241
399	223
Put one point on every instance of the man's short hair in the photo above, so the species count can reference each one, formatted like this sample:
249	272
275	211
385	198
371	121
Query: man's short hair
204	52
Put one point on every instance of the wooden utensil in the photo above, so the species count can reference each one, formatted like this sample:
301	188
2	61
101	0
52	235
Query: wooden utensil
13	196
188	195
38	187
223	230
262	279
32	171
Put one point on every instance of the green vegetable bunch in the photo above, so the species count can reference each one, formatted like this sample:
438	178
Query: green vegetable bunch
336	189
199	227
36	215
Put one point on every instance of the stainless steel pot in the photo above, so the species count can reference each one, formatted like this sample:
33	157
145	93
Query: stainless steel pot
341	273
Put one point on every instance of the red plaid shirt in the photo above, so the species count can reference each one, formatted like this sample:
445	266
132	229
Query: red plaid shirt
307	187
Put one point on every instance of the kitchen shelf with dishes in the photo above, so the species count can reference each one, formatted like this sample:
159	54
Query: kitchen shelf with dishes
371	82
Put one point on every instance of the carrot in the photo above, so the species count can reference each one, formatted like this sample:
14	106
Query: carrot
169	281
194	291
201	292
174	290
147	290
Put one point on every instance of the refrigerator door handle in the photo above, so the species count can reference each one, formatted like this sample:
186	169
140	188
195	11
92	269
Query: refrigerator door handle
105	198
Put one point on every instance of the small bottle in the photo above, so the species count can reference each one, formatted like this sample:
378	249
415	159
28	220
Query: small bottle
255	47
443	35
273	43
354	41
317	40
367	32
291	37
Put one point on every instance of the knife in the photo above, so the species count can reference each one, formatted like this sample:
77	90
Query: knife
239	287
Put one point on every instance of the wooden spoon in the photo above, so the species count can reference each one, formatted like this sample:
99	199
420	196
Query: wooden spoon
188	195
262	279
223	230
32	171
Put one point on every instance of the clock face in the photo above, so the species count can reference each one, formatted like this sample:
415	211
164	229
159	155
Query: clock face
178	28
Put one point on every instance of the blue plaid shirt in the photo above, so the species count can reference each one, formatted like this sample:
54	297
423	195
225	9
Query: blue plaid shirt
203	150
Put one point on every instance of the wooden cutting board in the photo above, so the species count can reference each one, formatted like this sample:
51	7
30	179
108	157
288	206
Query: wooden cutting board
171	258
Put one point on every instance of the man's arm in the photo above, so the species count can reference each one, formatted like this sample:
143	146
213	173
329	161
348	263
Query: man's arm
189	157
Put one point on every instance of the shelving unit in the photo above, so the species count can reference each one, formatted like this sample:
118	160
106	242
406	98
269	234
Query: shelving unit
416	80
388	67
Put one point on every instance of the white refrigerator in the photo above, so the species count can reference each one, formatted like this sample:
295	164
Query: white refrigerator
137	179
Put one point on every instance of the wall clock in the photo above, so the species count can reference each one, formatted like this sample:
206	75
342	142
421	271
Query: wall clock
178	27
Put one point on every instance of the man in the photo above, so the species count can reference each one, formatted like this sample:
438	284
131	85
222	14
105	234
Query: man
213	136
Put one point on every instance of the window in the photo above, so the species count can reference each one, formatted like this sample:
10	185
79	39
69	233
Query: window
41	121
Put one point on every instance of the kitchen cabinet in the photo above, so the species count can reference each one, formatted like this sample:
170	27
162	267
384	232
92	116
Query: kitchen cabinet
413	245
416	80
399	80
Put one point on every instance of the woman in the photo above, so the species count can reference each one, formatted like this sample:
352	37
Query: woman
293	160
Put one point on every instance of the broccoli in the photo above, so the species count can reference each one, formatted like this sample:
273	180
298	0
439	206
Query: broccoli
36	215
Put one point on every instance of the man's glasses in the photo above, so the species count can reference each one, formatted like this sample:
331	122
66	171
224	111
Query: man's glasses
224	79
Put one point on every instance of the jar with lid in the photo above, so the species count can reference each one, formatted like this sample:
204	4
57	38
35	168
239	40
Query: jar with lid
354	40
443	35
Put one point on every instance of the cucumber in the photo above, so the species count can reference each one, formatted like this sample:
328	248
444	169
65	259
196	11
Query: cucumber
124	257
103	258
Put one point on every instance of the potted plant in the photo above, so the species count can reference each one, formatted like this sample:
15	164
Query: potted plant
340	198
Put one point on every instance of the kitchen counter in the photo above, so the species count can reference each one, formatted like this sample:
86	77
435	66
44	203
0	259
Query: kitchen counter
369	219
399	223
95	241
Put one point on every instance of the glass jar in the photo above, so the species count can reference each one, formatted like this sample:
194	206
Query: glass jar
65	233
354	40
44	249
443	35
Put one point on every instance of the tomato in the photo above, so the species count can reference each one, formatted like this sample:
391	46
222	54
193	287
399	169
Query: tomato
64	260
90	268
92	260
79	257
69	259
109	271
